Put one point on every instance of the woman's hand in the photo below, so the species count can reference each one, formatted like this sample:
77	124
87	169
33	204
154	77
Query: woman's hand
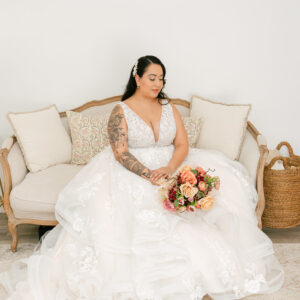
161	173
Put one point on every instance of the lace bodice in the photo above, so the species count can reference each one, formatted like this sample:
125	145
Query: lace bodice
141	135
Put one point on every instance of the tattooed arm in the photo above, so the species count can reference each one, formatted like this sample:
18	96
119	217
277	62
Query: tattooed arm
118	138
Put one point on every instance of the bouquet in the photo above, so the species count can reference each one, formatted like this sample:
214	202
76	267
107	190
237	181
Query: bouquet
189	189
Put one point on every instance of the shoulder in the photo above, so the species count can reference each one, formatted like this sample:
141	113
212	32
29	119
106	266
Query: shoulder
117	114
118	108
175	110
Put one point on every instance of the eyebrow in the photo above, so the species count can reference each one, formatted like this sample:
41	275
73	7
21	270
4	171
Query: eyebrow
155	74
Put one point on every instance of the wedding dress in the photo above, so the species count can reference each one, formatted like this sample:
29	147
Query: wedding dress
115	241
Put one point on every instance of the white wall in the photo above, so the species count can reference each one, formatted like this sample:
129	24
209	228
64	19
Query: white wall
72	51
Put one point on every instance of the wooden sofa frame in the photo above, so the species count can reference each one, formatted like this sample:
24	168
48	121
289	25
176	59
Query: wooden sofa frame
13	222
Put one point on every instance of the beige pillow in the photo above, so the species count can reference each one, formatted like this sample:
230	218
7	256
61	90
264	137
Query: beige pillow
89	135
224	125
42	137
192	127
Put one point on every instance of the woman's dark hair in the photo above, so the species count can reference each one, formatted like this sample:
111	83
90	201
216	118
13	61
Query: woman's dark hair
142	63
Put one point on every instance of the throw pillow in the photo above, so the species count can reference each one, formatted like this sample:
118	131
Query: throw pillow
224	125
89	135
192	127
42	137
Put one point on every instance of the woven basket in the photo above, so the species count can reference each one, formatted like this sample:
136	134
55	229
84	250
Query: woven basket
282	192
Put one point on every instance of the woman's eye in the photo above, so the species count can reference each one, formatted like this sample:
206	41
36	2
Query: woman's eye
154	79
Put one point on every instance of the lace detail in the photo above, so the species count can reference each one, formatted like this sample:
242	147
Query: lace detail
229	273
82	275
152	218
141	135
194	286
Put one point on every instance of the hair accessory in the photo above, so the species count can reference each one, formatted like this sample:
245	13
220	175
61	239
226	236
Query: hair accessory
135	68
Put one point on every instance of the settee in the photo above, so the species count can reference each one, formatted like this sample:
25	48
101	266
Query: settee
30	198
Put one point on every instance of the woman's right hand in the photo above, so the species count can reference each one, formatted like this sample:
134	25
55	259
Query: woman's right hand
153	179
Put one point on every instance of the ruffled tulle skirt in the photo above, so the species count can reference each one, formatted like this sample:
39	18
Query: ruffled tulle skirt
114	240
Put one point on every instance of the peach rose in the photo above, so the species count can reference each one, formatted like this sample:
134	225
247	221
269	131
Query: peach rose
202	186
188	176
188	190
182	209
205	203
185	168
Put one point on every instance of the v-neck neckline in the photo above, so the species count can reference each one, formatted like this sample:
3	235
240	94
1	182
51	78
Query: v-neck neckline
147	123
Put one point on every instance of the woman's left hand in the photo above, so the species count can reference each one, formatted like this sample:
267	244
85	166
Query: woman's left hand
163	172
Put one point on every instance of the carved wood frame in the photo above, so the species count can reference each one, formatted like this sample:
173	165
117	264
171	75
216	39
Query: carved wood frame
13	222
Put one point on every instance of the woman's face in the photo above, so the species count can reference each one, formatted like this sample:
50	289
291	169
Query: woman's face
151	83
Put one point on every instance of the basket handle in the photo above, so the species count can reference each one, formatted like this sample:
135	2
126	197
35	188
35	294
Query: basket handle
291	153
285	161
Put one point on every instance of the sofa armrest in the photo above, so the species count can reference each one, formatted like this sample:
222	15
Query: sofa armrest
15	160
254	156
14	169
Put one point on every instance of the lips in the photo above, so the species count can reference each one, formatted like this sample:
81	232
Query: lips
155	91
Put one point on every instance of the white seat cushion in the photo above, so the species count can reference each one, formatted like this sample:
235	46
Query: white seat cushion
35	197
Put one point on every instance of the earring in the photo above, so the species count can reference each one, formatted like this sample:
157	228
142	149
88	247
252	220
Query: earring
137	86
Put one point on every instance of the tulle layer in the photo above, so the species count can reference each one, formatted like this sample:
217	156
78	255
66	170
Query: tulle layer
116	242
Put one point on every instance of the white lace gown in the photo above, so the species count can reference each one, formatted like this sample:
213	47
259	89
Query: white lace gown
115	241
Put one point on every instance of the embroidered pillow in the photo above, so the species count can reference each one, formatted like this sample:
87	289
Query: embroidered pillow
89	135
192	127
224	125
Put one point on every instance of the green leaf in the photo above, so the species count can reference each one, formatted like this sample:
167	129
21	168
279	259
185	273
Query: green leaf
176	203
195	171
200	195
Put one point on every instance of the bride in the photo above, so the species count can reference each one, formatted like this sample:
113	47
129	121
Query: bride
115	241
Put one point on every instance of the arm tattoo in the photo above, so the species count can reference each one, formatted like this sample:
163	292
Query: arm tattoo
132	164
118	139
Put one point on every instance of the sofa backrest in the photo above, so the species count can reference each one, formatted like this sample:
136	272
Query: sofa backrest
249	156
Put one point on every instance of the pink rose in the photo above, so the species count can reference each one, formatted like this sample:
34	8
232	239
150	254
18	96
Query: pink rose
168	205
188	176
201	171
181	201
190	208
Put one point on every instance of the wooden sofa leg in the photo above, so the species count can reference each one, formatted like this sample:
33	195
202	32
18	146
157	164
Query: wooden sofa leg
12	227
